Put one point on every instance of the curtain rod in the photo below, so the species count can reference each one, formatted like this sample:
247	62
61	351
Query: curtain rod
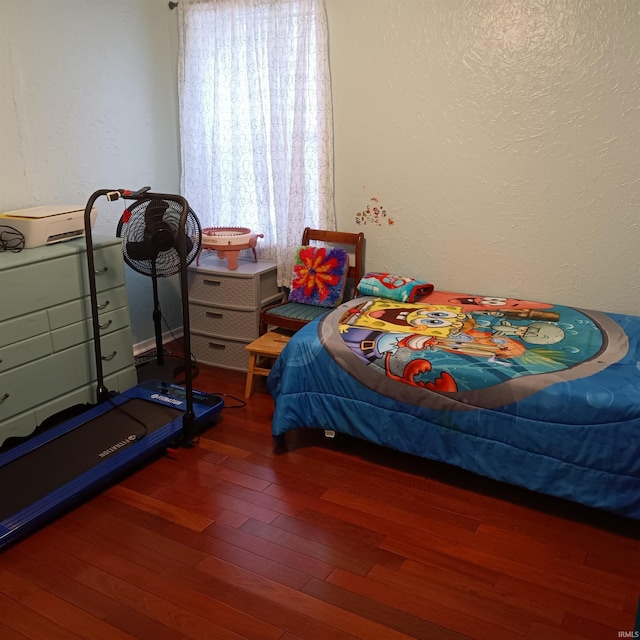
173	5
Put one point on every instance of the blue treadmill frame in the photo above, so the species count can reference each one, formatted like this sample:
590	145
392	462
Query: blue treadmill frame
206	409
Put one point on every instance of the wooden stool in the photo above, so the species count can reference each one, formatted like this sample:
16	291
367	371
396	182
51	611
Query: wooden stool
269	346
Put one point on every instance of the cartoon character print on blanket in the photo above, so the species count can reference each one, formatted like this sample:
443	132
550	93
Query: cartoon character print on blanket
475	351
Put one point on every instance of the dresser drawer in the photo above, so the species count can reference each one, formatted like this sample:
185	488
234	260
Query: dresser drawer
18	426
117	352
229	323
41	380
25	423
77	310
25	351
222	290
109	268
120	381
46	378
81	395
220	352
37	286
22	328
73	334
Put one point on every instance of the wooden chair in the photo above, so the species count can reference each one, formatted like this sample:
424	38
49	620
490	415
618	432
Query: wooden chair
292	316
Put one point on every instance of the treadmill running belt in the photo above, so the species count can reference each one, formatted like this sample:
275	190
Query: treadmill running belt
44	469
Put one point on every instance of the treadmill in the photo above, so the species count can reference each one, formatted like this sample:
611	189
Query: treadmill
53	471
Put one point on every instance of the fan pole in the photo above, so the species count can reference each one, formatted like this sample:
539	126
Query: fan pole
157	319
188	419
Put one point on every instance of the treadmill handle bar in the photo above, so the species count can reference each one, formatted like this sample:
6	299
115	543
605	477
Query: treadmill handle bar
102	393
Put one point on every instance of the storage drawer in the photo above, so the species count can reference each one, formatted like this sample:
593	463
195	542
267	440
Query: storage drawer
18	426
269	290
78	396
117	352
121	381
109	268
25	351
24	424
83	331
77	310
222	290
41	380
36	286
22	328
118	382
219	352
229	323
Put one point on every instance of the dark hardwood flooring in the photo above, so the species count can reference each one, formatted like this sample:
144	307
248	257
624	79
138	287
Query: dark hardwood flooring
232	540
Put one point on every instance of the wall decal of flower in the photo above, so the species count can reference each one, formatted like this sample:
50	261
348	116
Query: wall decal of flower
374	214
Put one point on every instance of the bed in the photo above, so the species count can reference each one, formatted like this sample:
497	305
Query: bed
541	396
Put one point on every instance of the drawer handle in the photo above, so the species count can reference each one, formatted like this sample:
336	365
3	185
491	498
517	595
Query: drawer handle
105	325
111	357
4	397
213	283
216	345
213	314
99	272
104	305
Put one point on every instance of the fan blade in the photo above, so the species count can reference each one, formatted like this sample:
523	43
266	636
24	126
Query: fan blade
141	250
154	213
188	242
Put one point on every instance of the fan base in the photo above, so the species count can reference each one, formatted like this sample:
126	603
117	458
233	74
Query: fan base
172	370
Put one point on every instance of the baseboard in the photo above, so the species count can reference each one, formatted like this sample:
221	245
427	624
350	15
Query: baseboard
147	345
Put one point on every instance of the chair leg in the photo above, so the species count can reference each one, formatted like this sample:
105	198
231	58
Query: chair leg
249	384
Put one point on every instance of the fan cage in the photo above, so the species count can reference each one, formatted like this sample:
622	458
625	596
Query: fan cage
134	228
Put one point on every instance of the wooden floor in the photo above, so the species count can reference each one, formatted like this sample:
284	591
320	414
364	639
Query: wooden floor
231	540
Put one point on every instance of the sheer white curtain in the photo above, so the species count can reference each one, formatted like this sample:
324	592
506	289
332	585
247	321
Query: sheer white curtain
256	119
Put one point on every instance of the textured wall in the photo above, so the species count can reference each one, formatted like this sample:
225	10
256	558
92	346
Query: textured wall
88	100
501	138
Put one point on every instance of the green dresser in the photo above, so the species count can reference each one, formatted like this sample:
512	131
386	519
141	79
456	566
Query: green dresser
46	335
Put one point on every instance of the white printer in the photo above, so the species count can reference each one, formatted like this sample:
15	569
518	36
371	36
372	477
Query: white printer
47	224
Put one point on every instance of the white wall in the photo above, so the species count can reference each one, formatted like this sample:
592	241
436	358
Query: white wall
88	100
502	137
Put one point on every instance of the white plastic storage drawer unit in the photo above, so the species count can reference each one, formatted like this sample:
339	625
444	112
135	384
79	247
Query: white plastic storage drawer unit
224	308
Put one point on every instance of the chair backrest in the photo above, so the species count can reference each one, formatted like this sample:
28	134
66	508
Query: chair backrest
352	243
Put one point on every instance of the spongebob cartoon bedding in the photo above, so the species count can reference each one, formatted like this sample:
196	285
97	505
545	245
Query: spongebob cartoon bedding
542	396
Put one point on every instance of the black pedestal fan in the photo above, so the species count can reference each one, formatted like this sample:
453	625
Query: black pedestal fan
149	231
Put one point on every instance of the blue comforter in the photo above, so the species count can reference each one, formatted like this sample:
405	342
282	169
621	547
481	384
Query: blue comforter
544	397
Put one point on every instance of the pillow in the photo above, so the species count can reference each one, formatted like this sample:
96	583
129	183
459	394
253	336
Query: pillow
397	288
319	276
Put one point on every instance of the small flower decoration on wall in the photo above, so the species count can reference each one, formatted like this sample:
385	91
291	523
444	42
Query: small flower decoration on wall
374	214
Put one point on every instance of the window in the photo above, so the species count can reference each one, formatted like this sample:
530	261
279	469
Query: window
256	119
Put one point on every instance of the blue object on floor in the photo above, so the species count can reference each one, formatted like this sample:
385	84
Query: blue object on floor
55	470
